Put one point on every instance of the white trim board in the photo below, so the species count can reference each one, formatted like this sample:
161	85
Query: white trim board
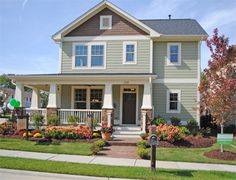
105	38
177	80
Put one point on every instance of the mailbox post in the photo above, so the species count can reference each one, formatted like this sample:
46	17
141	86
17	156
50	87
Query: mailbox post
153	142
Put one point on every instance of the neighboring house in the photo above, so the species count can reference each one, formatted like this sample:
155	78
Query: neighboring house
9	93
121	70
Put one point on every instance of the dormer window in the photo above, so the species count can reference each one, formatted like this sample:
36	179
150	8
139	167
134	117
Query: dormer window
105	22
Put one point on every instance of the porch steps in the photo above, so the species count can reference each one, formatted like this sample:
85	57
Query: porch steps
127	132
124	141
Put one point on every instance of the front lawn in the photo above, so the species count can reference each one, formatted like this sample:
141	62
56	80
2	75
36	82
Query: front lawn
192	154
109	171
78	148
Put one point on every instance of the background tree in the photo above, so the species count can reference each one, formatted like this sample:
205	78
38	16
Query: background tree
218	84
6	82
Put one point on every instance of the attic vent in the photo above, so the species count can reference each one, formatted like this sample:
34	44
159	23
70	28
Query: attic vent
105	22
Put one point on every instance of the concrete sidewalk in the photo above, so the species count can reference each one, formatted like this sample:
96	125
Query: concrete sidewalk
11	174
118	161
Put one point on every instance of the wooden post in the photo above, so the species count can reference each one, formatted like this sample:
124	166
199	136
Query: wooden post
27	126
153	156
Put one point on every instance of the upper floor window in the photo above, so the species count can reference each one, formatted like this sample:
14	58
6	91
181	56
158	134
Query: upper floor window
173	54
173	101
130	52
81	56
97	56
105	22
89	55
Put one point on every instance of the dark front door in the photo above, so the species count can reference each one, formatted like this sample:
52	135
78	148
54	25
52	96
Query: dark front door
129	108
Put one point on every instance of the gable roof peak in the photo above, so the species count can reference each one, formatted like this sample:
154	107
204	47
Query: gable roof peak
100	6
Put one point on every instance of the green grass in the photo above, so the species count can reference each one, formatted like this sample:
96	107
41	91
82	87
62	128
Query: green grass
109	171
79	148
192	154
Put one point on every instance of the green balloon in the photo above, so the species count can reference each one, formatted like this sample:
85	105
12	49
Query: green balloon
17	104
12	102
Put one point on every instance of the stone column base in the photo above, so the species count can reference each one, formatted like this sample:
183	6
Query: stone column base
52	112
104	116
149	118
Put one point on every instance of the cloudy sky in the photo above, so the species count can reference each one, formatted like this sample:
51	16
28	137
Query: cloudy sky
26	26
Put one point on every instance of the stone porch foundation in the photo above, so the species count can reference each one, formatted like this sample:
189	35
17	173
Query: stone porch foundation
147	113
106	114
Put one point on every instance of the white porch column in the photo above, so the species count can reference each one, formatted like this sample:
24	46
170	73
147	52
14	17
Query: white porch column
52	98
19	94
107	108
107	102
147	96
35	102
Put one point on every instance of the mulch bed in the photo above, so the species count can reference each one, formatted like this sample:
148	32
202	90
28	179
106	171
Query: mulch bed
216	154
190	142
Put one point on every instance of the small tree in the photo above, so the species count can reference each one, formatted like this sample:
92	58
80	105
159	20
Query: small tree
218	84
38	120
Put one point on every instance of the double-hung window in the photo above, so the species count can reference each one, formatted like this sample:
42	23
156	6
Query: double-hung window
173	101
96	99
130	52
97	56
174	54
87	98
80	99
89	55
81	56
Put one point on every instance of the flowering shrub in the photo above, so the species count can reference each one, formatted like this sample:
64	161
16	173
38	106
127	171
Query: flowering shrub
168	133
96	135
107	129
69	132
29	134
37	135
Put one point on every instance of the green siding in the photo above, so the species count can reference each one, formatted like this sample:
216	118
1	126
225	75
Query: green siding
188	100
189	61
66	96
114	58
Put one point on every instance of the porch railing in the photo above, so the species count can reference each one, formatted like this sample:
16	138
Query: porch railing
31	111
85	115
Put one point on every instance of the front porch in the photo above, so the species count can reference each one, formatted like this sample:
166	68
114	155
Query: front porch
118	102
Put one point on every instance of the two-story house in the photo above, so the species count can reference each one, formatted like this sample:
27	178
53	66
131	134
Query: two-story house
121	70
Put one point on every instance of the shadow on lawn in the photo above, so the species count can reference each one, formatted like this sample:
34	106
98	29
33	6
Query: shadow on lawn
179	173
47	143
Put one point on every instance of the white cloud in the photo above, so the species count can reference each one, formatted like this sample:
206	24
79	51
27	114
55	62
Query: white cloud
219	18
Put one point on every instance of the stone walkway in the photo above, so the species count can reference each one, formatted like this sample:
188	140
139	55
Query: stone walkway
118	161
119	152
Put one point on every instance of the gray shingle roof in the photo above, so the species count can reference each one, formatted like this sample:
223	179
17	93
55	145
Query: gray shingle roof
176	26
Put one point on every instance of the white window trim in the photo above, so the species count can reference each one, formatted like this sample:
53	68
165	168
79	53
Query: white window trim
125	43
168	62
88	88
89	56
168	101
110	22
